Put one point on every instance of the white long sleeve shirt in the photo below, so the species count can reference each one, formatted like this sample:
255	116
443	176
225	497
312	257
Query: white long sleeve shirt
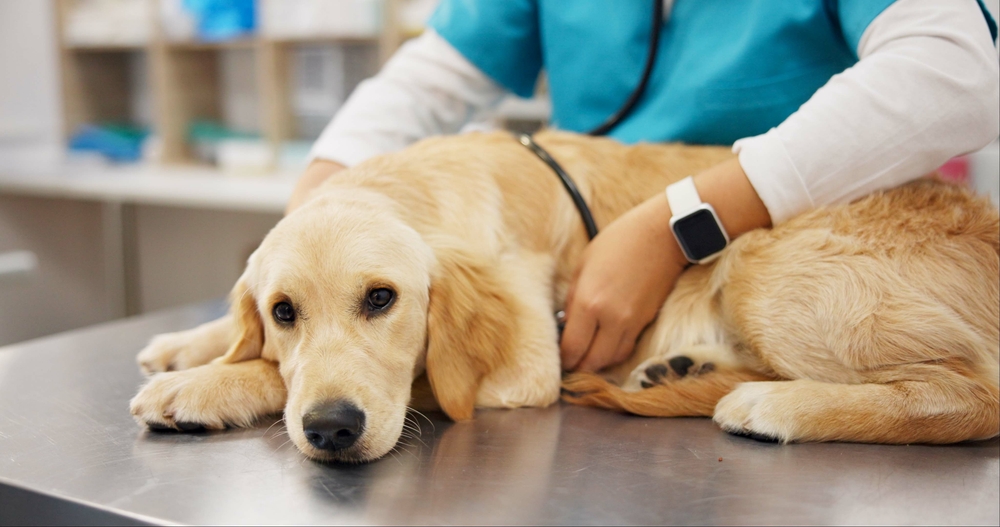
926	88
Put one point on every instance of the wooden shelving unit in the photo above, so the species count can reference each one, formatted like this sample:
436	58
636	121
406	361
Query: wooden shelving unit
184	79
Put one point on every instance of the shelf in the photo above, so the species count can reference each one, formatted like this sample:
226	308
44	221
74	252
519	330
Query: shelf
251	42
325	39
241	43
198	45
110	47
186	76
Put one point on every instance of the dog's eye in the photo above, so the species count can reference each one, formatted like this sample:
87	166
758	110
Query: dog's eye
379	299
283	313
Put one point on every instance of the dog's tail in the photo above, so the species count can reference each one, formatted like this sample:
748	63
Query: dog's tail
687	397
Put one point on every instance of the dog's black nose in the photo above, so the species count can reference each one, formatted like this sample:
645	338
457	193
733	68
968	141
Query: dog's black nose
335	425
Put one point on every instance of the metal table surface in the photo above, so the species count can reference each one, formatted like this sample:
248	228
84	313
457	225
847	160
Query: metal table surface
70	453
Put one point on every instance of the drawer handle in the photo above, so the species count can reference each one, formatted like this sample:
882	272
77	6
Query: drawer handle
14	263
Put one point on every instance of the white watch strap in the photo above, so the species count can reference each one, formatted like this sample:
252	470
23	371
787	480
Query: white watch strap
683	196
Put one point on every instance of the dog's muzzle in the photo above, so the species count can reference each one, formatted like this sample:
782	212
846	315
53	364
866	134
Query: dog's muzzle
334	425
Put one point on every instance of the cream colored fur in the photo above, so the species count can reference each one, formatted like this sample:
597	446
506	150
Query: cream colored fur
875	321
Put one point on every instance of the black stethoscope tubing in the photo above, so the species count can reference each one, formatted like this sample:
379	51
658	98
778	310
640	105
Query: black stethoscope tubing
633	99
603	129
567	182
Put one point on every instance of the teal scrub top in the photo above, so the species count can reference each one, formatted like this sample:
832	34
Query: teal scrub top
726	69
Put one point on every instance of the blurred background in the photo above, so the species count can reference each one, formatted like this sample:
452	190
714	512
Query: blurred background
147	146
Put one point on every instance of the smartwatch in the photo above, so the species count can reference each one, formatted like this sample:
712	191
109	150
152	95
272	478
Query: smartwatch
695	225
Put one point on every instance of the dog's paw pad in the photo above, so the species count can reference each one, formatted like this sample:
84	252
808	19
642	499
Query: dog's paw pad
750	434
160	427
656	373
168	424
680	365
673	369
177	427
186	426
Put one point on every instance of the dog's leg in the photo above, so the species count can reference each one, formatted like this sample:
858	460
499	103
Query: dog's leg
530	375
946	409
212	396
187	349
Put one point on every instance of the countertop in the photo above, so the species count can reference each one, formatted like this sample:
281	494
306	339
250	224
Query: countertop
71	453
186	186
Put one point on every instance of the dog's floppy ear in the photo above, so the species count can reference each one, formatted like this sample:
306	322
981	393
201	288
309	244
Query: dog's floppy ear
249	330
471	325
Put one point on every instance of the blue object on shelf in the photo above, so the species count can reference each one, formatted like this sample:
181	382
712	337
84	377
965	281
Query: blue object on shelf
117	143
223	19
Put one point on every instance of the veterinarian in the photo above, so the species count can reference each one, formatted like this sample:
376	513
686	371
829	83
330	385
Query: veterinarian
824	101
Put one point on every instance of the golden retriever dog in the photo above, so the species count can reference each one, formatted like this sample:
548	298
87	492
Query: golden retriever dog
875	321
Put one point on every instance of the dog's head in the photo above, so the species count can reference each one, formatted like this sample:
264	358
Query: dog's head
353	304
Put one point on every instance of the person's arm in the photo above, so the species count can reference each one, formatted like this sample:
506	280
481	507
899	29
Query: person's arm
427	88
630	267
925	90
318	171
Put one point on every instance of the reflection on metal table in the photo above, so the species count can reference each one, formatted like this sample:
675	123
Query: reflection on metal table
70	453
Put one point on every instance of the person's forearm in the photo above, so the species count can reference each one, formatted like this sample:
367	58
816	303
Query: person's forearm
632	266
925	90
317	172
427	88
726	187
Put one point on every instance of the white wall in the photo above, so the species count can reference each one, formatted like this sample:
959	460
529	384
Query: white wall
30	123
190	255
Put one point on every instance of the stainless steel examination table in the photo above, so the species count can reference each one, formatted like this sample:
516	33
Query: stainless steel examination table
70	453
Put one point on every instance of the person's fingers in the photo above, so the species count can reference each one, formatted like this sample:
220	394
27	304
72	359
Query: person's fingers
569	295
576	337
602	349
625	348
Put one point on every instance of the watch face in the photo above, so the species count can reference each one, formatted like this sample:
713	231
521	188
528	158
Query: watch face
699	235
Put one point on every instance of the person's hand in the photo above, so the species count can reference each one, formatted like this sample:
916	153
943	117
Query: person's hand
317	172
624	277
629	269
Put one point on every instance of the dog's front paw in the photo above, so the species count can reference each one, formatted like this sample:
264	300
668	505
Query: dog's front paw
186	349
209	397
164	353
176	400
756	410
